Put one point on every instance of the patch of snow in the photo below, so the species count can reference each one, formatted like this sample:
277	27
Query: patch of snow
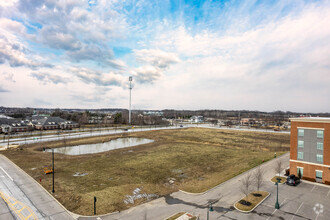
130	199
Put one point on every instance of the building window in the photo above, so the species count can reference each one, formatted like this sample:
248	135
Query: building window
319	134
319	146
318	174
301	155
301	144
319	158
301	171
301	132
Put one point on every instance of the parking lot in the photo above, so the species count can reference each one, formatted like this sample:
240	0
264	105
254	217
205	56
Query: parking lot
305	201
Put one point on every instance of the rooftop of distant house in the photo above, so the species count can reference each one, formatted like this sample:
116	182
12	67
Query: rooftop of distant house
5	116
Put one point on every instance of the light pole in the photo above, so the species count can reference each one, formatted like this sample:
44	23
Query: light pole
53	191
277	205
8	139
94	205
130	95
209	209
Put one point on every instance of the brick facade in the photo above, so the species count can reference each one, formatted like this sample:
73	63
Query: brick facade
309	168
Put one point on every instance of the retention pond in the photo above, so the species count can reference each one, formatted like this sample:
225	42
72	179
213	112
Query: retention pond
101	147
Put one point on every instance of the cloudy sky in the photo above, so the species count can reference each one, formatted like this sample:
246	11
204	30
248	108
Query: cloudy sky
254	55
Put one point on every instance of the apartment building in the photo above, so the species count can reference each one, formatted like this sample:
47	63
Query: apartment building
310	148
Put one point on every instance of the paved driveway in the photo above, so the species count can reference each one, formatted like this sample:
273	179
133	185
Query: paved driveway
305	201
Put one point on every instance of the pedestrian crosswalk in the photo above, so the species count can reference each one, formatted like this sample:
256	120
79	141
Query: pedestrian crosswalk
22	211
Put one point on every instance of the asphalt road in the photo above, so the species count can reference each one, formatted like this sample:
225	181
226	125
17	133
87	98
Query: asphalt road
105	131
23	198
54	137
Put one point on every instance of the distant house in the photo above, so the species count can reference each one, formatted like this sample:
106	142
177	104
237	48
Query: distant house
154	113
11	125
245	121
5	117
95	119
51	123
196	119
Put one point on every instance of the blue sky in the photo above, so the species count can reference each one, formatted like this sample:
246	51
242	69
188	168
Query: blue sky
256	55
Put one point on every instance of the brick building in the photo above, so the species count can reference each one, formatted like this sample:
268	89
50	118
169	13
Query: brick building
50	123
310	148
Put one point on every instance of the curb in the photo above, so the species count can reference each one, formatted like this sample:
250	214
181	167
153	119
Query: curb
253	207
96	216
201	193
73	215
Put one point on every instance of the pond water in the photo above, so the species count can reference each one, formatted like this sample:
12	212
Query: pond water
101	147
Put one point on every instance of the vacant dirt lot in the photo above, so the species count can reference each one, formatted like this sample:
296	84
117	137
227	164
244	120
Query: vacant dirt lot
193	159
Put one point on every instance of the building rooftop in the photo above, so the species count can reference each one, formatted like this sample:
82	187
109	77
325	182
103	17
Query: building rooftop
311	119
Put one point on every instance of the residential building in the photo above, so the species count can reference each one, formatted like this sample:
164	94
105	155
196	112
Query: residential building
50	123
310	148
11	125
196	119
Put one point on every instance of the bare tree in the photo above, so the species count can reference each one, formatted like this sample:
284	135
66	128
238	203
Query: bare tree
278	167
246	183
258	178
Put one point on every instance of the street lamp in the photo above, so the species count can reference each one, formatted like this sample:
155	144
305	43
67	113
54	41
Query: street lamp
53	191
94	205
277	205
8	139
209	209
130	95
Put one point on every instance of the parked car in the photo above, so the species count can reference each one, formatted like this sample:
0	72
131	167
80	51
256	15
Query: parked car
292	180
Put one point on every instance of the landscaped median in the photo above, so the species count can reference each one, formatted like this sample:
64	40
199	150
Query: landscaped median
250	202
275	179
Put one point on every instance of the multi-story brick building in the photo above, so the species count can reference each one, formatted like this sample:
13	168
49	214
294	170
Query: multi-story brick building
310	148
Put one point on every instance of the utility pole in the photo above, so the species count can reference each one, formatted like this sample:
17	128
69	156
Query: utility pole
53	191
8	140
130	96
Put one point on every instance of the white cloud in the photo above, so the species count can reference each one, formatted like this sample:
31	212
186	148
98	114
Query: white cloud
156	58
157	62
8	3
269	67
49	78
14	27
9	77
80	32
147	74
276	61
59	40
97	78
14	52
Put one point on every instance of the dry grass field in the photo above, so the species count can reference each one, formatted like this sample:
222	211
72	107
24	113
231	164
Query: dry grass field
194	159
